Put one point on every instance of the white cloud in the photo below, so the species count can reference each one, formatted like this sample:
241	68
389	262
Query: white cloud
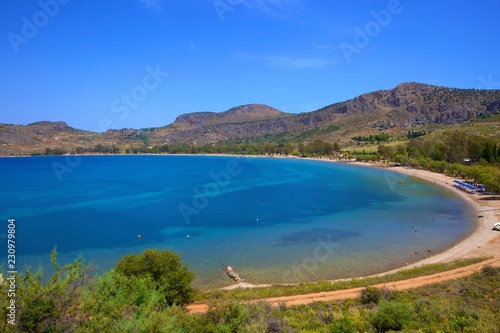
325	47
280	9
288	62
153	4
296	63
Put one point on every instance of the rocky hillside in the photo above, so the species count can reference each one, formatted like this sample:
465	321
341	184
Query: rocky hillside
244	113
19	139
407	106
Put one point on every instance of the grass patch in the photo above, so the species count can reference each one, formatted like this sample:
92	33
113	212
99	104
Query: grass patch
311	287
468	304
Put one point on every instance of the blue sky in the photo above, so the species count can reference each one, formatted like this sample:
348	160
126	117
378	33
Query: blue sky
141	63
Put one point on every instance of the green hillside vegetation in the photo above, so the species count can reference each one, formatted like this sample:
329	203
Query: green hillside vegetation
372	138
146	293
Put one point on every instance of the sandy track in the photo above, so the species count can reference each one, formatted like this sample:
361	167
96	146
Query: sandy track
355	292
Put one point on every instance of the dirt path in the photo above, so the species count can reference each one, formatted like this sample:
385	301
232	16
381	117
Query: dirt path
201	307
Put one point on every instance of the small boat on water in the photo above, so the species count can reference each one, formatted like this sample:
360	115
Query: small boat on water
496	226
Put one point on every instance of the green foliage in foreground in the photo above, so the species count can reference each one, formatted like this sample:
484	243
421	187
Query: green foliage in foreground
138	296
466	305
312	287
44	307
165	270
132	302
119	303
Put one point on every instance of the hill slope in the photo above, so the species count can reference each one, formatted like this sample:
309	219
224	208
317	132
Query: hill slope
407	106
20	139
244	113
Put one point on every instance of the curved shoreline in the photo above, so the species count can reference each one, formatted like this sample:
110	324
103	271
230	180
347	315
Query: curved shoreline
483	242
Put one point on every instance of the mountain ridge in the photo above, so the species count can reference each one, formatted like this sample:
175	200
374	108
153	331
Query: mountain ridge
408	106
242	113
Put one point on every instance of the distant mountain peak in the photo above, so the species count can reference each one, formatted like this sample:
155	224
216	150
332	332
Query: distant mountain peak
55	124
242	113
413	85
253	111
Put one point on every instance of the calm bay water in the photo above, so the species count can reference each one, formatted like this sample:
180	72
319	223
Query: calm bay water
275	220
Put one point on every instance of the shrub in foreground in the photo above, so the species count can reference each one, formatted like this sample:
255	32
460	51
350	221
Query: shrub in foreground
117	303
370	295
391	316
165	269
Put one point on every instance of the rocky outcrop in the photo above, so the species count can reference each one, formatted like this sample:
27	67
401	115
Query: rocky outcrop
244	113
407	106
20	139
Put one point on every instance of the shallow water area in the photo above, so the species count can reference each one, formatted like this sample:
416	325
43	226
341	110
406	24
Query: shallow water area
274	220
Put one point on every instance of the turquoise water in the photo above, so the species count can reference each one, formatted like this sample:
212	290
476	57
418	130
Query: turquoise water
275	220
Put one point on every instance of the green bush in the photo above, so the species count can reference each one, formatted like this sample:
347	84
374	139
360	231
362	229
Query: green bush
119	303
459	324
225	316
51	306
391	316
490	271
171	277
343	325
370	295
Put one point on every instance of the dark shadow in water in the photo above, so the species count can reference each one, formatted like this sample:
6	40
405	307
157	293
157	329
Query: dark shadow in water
315	234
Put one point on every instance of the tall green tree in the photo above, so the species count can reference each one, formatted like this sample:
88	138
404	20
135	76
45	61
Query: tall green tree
119	303
165	268
386	151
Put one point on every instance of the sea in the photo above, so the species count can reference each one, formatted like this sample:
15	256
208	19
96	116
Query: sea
274	220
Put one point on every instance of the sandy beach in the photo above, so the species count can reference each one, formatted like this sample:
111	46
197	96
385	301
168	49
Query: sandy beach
483	242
